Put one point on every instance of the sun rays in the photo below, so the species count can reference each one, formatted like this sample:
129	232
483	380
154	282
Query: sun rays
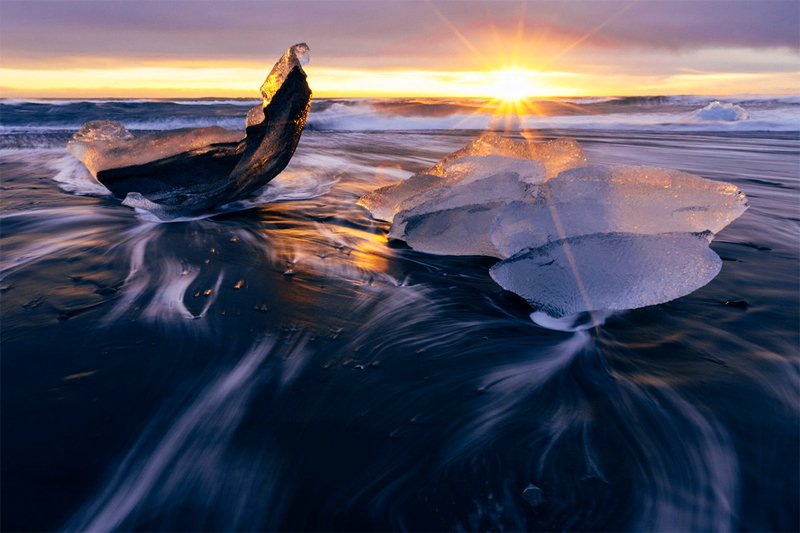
512	83
511	88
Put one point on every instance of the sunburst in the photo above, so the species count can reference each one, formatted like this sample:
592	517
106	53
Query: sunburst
510	85
510	89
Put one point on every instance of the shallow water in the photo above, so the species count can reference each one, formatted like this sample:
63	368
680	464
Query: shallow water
284	367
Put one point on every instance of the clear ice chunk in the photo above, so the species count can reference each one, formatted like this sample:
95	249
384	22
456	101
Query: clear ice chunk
609	271
496	188
473	167
255	116
295	57
722	112
627	199
488	155
383	203
456	231
557	155
105	144
574	238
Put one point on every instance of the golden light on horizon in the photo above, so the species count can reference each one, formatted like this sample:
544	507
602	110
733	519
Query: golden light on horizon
179	81
512	84
510	62
506	50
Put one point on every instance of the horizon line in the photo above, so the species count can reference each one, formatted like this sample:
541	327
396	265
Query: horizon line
380	97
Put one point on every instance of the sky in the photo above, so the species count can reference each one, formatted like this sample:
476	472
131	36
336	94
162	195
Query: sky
396	48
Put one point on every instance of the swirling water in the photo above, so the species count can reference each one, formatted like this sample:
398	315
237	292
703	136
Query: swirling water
283	366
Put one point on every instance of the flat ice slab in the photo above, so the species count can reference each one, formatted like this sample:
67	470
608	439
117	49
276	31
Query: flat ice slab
609	271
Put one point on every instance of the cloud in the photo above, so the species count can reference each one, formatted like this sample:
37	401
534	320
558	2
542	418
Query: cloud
376	34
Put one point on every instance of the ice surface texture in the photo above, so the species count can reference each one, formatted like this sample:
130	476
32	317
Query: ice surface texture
488	154
609	271
572	237
187	172
630	199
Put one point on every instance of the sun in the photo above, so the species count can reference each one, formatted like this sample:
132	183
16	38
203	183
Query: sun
511	85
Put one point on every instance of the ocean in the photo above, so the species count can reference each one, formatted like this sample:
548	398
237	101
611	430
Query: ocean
284	366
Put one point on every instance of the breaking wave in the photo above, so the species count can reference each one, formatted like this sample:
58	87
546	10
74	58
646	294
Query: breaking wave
668	113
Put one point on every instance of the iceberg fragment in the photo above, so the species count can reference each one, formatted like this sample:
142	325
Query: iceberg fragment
495	188
572	238
471	168
195	170
383	203
630	199
489	154
454	231
722	112
557	155
609	271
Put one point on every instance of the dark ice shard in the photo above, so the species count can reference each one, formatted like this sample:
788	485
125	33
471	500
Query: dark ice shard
191	171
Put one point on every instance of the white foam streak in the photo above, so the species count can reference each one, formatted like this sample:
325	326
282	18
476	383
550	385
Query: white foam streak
168	297
287	187
213	296
192	448
135	243
506	387
73	177
165	278
24	253
692	480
